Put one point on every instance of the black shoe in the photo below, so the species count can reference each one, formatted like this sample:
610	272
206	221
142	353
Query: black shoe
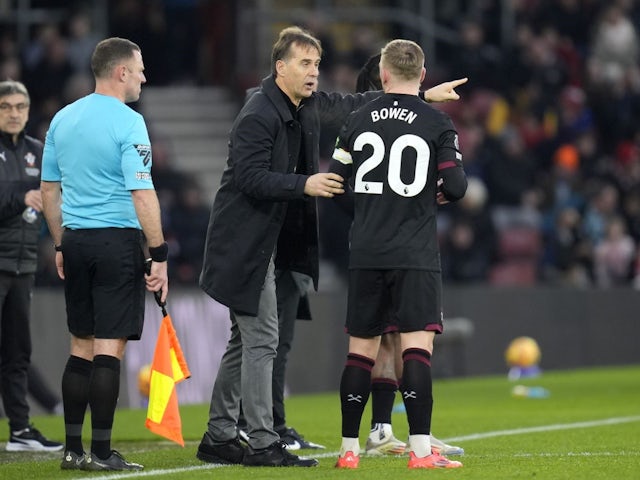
276	455
31	440
229	453
295	441
115	462
73	461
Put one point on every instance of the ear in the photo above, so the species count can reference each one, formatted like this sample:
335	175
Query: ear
423	74
280	66
121	72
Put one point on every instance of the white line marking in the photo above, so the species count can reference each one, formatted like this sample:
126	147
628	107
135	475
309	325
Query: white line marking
475	436
545	428
580	454
148	473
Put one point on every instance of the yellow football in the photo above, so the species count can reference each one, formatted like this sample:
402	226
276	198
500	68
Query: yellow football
522	352
144	380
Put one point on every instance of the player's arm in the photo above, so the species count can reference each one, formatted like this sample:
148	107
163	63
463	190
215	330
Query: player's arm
452	183
444	92
343	166
452	180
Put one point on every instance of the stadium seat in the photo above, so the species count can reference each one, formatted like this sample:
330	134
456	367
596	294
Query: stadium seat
519	242
514	272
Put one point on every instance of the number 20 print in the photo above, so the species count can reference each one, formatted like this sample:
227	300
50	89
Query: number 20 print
395	162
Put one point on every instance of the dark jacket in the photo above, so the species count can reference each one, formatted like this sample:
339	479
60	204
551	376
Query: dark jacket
19	172
261	201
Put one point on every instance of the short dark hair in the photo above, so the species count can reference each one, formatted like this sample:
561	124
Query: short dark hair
11	87
290	36
369	75
109	52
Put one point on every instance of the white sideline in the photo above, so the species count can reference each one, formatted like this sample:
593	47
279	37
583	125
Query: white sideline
475	436
545	428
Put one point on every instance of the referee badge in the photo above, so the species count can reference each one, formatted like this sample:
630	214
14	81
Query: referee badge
145	153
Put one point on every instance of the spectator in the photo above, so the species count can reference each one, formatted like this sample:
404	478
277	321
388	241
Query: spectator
614	255
601	208
477	59
567	256
615	47
469	246
53	65
189	218
82	41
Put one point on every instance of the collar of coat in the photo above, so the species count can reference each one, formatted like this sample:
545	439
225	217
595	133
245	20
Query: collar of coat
277	97
7	139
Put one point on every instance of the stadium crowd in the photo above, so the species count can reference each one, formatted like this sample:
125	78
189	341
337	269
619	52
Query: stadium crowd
548	129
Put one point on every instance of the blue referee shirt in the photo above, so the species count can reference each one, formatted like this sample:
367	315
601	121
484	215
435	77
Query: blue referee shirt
99	149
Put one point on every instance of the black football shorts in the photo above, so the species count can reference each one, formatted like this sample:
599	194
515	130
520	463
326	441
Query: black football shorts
104	282
408	299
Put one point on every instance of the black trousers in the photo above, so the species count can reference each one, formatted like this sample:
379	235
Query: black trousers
15	345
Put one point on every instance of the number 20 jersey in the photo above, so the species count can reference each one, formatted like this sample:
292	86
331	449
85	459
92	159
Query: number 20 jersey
394	148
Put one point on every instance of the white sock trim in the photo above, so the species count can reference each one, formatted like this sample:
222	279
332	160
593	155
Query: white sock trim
350	445
420	445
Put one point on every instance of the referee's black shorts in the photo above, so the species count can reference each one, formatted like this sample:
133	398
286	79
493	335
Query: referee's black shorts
410	299
104	282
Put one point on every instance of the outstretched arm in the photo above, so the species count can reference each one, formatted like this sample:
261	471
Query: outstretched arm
444	92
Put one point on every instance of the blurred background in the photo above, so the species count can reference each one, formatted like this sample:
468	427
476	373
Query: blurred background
547	240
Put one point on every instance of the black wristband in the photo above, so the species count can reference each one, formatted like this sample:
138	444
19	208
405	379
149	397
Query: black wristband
159	253
57	248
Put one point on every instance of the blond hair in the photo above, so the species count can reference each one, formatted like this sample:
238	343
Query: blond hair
403	58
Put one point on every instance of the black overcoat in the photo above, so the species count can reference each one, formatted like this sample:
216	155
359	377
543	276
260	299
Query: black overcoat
259	189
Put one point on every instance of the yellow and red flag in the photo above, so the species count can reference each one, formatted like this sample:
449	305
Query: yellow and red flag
169	368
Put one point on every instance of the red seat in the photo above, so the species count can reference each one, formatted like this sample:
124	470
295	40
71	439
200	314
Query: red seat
519	242
515	272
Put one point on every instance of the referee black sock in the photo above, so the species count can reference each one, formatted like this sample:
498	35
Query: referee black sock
416	388
354	392
103	397
75	398
383	394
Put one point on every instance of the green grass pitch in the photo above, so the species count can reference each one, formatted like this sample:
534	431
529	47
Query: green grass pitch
589	428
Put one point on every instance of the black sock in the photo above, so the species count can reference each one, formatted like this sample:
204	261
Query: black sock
383	394
75	398
103	398
354	392
416	389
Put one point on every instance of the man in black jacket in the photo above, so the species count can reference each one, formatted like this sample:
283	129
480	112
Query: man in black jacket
263	218
20	221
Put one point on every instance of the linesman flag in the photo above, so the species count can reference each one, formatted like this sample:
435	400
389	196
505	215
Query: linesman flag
169	368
